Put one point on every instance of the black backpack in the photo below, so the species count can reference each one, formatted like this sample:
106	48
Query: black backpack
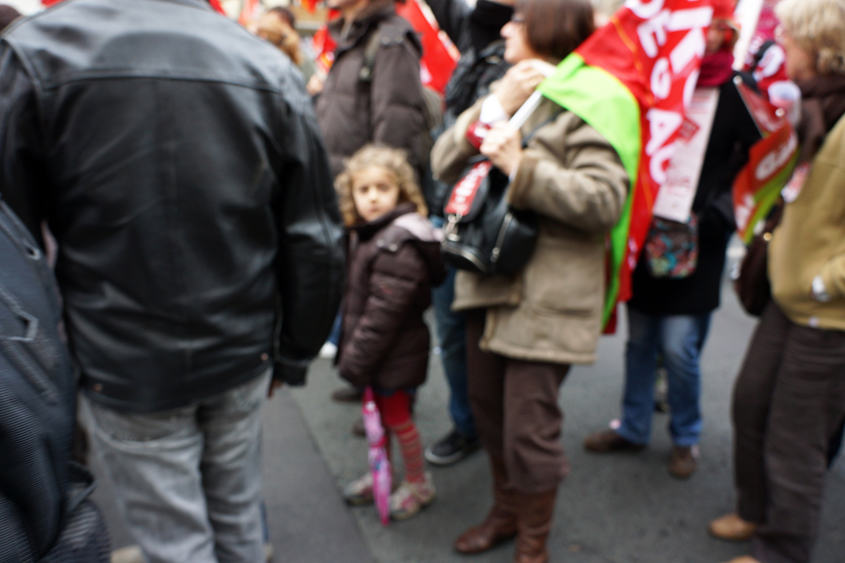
472	78
44	514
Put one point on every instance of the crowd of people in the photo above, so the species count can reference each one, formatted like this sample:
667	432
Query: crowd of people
212	204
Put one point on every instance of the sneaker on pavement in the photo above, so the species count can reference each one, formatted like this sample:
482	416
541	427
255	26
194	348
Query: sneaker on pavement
359	491
683	461
411	497
451	448
347	395
609	441
328	351
731	527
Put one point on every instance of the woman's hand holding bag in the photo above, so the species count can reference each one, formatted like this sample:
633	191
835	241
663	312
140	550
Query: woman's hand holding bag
484	234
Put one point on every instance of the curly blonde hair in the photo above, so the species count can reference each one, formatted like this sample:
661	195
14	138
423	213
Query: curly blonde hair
394	162
817	27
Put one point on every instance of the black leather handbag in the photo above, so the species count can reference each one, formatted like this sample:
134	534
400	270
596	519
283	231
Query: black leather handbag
483	234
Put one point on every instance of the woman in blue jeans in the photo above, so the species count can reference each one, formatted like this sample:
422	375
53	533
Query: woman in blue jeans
672	316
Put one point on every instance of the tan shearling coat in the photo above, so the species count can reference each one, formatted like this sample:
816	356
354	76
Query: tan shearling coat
572	177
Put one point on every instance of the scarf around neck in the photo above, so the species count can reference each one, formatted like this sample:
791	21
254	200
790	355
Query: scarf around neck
716	69
822	105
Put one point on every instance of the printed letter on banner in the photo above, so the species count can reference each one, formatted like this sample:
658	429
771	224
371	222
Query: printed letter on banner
654	48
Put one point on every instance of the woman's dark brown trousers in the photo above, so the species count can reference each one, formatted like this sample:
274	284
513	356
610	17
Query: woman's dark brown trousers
519	421
788	401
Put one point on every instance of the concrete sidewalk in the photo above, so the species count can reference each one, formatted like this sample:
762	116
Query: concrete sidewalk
617	508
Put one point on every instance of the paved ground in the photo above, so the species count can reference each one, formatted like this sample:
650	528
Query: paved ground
622	508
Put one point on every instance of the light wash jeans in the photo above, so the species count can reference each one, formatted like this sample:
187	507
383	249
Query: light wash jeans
451	331
188	481
680	338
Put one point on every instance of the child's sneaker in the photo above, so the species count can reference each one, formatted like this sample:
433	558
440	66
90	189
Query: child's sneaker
410	497
359	491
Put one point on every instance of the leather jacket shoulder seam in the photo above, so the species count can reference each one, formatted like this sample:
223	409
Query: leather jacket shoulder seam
110	75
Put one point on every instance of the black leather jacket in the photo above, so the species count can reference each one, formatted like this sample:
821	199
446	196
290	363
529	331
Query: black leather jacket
177	161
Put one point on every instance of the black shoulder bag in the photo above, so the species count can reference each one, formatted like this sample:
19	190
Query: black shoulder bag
483	233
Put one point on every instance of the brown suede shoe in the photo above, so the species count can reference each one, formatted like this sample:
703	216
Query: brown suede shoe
498	527
609	441
731	527
500	524
683	461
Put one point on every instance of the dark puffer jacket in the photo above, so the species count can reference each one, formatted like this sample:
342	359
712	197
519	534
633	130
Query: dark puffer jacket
388	109
394	263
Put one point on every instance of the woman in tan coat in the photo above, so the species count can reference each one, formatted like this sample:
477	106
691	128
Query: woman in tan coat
524	331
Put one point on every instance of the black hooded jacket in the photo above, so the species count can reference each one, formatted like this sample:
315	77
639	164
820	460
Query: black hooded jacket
476	33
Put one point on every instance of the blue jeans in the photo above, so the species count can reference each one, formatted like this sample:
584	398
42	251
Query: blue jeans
451	330
334	335
188	481
680	339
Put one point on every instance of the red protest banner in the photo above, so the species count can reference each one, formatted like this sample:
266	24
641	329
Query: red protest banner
770	163
654	48
765	60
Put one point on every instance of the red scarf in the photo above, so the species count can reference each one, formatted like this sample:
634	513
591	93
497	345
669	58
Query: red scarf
716	69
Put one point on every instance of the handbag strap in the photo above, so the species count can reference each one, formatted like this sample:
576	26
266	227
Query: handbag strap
545	122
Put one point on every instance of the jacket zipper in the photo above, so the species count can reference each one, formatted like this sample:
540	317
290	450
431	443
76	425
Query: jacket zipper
500	239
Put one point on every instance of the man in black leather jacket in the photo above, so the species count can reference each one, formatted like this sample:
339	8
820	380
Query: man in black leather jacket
177	161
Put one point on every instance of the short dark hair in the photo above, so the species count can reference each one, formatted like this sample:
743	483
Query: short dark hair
285	14
7	15
555	28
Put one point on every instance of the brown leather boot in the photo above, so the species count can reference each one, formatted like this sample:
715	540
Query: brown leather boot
500	524
534	523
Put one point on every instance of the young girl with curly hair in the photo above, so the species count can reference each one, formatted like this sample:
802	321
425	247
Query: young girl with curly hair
394	260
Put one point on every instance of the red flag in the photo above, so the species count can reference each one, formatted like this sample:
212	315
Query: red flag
439	56
249	12
310	5
654	49
324	45
215	5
